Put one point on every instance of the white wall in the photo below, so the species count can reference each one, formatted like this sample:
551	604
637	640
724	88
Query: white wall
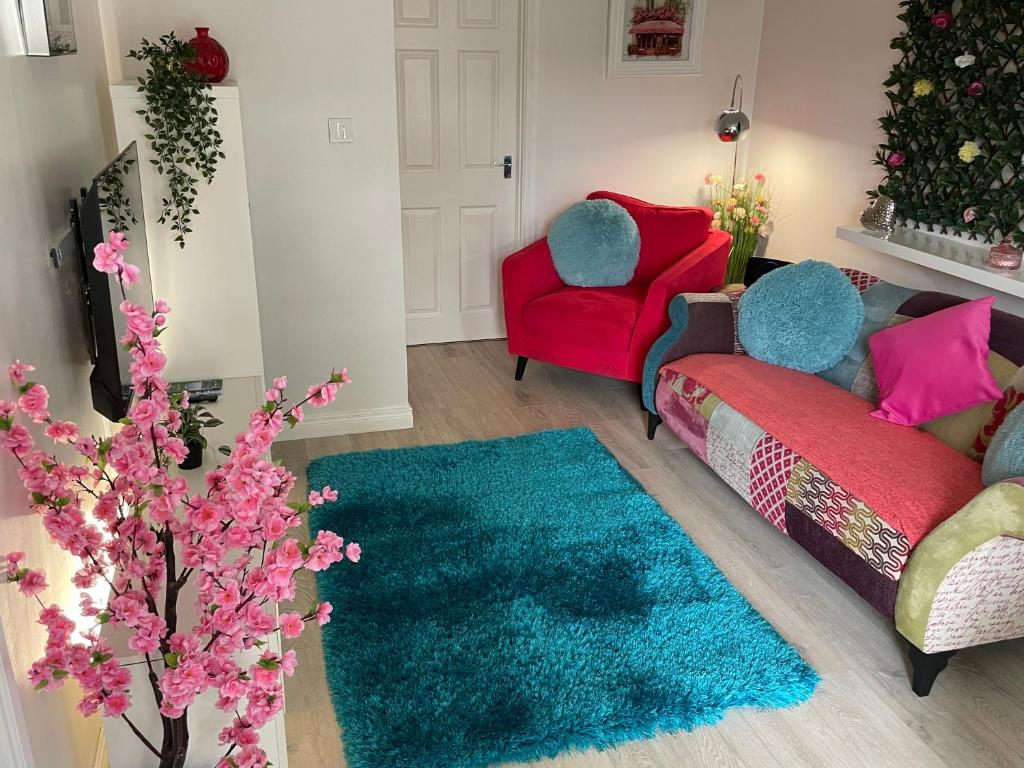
650	137
325	217
55	115
820	95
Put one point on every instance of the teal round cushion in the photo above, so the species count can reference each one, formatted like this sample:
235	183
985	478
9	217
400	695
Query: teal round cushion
805	316
1004	459
595	244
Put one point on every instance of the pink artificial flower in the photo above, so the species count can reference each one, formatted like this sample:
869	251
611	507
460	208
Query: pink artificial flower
144	413
17	371
116	704
289	662
281	383
34	402
976	88
291	625
970	214
107	259
353	552
316	498
13	558
896	160
322	394
323	613
62	432
129	276
32	583
117	241
17	440
755	221
942	20
759	178
329	493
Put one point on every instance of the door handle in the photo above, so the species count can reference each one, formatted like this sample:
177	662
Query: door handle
506	164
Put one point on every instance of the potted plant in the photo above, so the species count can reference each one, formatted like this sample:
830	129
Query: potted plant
142	539
745	210
194	419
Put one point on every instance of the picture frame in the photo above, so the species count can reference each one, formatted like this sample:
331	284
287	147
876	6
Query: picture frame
48	27
655	37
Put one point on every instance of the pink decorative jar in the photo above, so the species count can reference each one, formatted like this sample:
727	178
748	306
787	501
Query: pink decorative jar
211	59
1005	257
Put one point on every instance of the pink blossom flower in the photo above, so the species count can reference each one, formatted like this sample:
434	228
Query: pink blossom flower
322	394
323	613
62	432
34	403
291	625
17	371
896	160
13	559
942	20
329	493
316	498
32	583
759	178
117	242
975	89
281	383
17	440
107	259
353	552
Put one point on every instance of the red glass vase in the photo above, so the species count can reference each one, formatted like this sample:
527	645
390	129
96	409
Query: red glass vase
211	59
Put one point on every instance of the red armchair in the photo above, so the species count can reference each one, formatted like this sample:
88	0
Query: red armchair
608	331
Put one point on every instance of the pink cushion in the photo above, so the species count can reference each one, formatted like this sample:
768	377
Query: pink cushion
936	365
907	477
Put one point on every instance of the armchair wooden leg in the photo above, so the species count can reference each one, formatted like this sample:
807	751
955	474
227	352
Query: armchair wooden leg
521	367
926	667
653	422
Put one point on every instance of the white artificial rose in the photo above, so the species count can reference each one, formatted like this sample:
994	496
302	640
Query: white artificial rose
964	61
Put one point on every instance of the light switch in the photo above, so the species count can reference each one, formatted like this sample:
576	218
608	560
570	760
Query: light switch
340	130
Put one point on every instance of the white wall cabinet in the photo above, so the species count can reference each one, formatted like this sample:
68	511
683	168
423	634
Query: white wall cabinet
211	284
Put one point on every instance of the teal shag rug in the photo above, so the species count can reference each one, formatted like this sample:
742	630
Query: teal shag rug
517	598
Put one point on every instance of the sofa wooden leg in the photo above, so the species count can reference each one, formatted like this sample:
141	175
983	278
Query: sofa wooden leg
926	667
653	422
521	367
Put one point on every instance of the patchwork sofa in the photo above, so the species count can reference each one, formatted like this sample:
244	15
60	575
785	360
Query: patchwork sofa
898	513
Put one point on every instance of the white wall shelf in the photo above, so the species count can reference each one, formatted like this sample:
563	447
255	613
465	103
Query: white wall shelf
949	255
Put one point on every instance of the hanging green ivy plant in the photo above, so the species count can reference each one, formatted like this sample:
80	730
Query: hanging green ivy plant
182	120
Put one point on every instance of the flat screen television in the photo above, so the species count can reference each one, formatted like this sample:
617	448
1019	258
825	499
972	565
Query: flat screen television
113	202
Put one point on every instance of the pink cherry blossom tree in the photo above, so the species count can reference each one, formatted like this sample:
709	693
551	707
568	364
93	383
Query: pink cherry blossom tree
138	527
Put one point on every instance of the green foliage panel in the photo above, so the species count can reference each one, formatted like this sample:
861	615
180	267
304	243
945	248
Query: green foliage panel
954	147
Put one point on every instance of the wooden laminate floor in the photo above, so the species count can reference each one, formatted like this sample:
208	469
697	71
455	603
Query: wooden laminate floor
864	713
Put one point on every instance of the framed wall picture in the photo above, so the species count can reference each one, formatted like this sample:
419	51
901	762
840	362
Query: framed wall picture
48	27
654	37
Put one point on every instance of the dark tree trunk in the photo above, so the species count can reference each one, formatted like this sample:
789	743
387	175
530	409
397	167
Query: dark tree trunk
175	744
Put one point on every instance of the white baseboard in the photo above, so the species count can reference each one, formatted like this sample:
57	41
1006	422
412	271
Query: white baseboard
353	422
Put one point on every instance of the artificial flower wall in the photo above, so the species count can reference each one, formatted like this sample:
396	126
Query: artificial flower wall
954	147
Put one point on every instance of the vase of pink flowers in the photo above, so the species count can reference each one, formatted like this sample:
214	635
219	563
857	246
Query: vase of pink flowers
148	540
746	210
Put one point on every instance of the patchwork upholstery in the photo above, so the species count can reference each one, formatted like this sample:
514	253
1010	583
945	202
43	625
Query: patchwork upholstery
900	514
812	449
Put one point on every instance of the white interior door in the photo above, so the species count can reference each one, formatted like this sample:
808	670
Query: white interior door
457	68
